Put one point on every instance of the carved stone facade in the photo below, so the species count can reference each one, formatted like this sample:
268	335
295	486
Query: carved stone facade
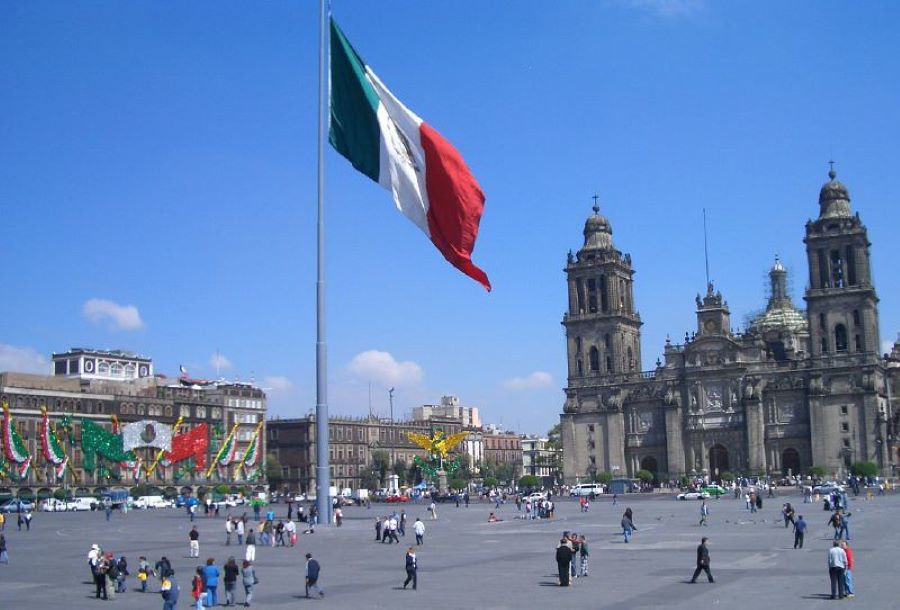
795	389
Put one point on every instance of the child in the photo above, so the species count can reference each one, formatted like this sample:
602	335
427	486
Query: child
197	588
144	573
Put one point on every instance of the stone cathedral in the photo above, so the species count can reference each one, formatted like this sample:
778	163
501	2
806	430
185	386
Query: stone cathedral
795	389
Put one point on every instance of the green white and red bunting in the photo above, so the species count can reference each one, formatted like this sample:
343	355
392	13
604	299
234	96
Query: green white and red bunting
251	455
14	448
427	177
227	453
50	446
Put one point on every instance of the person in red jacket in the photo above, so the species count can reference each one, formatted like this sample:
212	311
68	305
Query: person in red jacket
197	588
848	573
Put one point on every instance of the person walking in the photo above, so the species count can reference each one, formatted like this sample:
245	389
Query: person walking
197	591
419	530
799	532
704	513
411	568
250	555
788	513
583	551
848	573
402	525
627	526
378	521
231	570
432	508
312	576
563	560
98	571
144	572
702	561
248	579
194	537
169	590
844	531
123	572
4	555
229	529
837	563
211	580
835	522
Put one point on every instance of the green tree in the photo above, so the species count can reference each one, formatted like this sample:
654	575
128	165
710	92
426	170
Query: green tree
554	437
529	482
490	482
465	467
727	476
817	471
457	484
645	475
603	477
369	479
402	471
864	469
381	462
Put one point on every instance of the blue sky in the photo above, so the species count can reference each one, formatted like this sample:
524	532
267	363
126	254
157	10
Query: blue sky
158	164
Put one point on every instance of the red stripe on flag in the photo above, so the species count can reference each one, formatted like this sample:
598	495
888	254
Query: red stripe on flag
455	203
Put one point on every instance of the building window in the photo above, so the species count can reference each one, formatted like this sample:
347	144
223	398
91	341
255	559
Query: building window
595	359
843	409
604	294
859	343
824	345
845	427
103	368
590	427
592	296
840	338
837	269
851	267
847	443
855	317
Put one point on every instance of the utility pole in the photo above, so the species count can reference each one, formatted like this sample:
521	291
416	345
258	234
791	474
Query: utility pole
391	399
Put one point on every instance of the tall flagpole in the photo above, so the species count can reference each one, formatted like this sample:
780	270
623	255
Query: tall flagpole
323	468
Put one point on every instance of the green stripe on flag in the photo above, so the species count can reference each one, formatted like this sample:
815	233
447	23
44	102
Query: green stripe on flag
354	130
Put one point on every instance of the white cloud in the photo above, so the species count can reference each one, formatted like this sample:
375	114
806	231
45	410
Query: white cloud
535	381
886	347
218	361
120	317
667	8
22	360
381	367
277	384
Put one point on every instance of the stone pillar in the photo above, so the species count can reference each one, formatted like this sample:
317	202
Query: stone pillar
674	442
756	455
614	431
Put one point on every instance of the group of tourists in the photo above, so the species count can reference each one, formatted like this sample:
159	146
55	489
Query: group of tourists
571	547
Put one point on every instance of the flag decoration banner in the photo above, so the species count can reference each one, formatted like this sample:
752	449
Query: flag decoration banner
427	177
96	439
147	433
14	448
252	453
192	444
51	447
225	454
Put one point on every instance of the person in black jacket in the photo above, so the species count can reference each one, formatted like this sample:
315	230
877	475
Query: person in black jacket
702	562
412	567
564	556
312	576
231	570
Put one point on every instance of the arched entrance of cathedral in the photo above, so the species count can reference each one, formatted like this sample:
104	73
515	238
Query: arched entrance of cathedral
790	461
718	459
650	465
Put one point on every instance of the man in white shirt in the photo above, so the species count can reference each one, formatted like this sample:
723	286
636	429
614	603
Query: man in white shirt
837	563
419	529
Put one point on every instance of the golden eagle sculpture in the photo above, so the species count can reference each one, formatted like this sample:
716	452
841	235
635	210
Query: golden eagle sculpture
438	446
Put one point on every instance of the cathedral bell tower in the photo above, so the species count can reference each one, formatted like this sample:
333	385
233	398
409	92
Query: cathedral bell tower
603	329
841	302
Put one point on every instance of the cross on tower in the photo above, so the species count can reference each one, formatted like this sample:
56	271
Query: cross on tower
831	172
596	205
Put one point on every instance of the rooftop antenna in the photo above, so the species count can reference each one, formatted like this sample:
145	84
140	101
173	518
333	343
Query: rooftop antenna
217	363
370	399
705	247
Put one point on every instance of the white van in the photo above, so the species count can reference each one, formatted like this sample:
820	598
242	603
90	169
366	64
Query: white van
586	489
152	502
84	503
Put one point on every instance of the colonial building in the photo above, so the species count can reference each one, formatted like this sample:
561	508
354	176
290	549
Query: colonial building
109	389
503	448
795	389
539	459
352	443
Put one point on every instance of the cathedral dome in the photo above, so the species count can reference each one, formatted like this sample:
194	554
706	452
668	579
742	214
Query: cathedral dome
597	232
834	198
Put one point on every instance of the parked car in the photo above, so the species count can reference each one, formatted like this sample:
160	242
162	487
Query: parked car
16	506
586	489
85	503
397	498
52	505
534	497
693	495
153	502
715	490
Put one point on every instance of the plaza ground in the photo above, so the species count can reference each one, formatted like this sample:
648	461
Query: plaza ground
467	562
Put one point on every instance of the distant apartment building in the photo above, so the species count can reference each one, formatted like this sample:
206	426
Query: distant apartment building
450	409
502	448
540	460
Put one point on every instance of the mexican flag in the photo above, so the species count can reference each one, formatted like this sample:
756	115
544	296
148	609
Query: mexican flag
251	455
14	448
427	177
227	452
50	446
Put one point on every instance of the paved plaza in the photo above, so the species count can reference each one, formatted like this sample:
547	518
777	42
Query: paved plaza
466	562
